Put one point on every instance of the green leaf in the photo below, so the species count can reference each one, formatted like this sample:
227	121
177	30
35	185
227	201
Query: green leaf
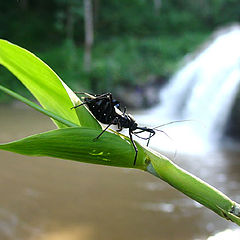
37	107
45	85
78	144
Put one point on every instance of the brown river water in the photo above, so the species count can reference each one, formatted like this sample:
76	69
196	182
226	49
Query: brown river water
51	199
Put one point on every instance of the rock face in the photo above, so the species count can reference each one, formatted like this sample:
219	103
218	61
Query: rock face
232	128
140	97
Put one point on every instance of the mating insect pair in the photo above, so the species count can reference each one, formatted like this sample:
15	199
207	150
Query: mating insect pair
107	110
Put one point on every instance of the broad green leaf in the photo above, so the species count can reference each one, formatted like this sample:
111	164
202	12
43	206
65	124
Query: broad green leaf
44	84
78	144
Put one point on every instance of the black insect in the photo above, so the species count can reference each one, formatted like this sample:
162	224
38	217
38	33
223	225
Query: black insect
107	110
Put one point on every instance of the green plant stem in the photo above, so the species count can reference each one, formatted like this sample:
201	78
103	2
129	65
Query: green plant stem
158	165
193	187
37	107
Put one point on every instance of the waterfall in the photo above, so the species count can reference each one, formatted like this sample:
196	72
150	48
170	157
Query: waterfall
203	90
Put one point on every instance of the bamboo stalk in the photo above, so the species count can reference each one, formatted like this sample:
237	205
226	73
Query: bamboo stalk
192	186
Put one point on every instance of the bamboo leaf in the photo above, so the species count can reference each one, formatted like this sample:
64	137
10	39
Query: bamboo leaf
44	84
37	107
78	144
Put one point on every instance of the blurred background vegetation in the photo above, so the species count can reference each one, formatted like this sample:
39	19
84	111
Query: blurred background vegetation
101	46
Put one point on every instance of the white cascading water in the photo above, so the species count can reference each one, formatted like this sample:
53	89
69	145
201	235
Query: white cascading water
204	91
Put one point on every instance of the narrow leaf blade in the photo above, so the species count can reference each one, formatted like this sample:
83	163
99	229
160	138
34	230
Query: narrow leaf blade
78	144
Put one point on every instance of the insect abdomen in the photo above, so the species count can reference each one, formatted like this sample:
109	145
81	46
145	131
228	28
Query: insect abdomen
102	109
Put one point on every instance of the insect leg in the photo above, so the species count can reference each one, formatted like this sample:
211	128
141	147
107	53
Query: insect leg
81	104
135	147
102	131
139	131
145	129
105	129
150	136
93	98
144	138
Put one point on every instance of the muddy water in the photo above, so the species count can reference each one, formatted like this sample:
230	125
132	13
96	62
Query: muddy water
52	199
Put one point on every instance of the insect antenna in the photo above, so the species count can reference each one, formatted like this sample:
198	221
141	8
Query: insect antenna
169	123
144	138
152	132
175	148
172	122
163	133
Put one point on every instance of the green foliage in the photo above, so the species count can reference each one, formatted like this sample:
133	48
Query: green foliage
141	18
120	61
44	84
79	143
133	39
